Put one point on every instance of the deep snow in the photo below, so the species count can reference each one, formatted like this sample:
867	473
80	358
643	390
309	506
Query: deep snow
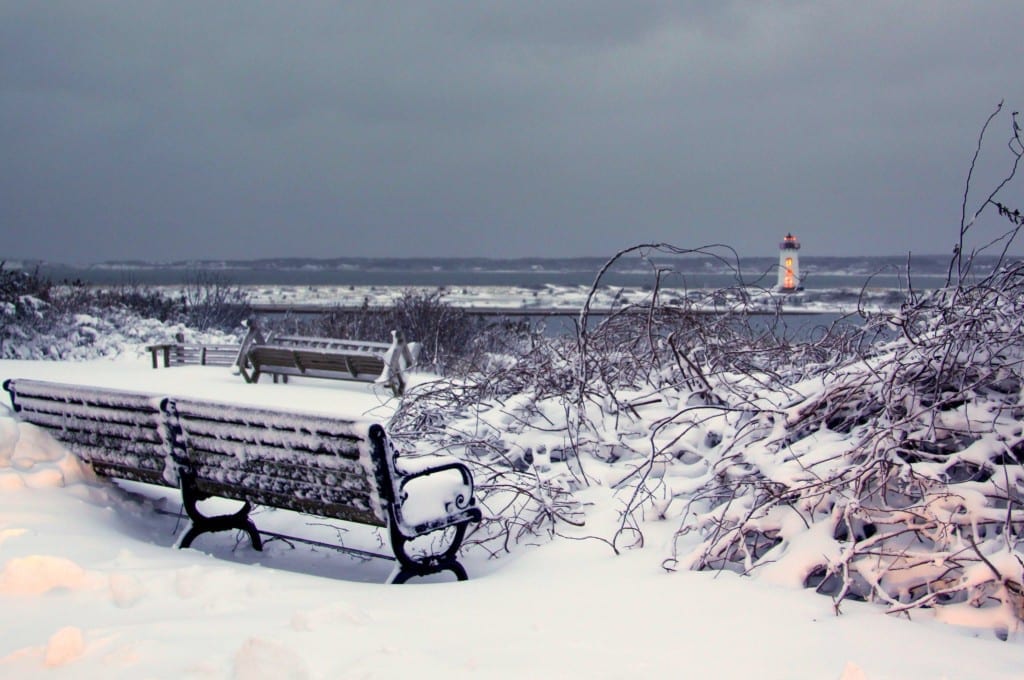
91	586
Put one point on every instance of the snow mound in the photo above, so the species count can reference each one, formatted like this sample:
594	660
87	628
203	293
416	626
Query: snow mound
31	458
261	659
66	645
36	575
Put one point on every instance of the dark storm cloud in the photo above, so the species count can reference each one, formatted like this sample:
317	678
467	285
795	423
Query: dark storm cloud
165	130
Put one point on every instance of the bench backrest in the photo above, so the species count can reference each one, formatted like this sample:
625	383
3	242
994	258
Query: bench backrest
358	365
328	343
295	461
121	434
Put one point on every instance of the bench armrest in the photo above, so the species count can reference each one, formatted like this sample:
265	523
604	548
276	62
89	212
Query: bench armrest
440	502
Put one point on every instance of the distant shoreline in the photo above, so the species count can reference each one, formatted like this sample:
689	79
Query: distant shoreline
317	309
696	272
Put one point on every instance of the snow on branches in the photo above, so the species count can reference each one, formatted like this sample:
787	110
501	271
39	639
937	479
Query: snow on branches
881	460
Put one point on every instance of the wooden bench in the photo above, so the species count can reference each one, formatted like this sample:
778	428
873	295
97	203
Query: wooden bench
329	467
178	353
314	357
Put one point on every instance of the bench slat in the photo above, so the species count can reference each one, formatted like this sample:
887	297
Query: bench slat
113	431
358	495
131	473
361	376
285	350
88	402
249	420
343	362
288	502
137	465
321	470
280	355
314	442
293	464
328	343
115	445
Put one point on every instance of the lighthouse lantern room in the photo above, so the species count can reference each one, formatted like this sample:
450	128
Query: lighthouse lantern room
789	264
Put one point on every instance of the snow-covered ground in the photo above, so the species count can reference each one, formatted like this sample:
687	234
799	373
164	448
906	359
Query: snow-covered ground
91	586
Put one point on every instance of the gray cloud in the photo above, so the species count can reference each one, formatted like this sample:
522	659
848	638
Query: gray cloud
167	130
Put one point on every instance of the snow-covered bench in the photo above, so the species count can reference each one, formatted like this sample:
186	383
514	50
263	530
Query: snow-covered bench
313	357
344	469
182	354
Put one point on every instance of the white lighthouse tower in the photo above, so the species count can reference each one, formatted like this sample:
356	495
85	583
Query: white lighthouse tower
789	265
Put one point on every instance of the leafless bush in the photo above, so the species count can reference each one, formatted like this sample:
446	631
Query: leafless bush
907	463
212	301
904	459
532	420
477	416
146	301
894	448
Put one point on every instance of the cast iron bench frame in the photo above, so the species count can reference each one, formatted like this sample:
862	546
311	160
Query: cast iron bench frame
314	464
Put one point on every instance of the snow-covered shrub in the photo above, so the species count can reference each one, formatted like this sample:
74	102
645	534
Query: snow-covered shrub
24	307
17	283
145	301
72	321
896	476
881	461
487	416
212	302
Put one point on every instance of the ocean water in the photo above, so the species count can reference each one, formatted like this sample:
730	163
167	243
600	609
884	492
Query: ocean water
817	272
833	287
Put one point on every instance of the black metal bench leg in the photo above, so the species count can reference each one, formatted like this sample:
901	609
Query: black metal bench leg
404	574
202	524
428	564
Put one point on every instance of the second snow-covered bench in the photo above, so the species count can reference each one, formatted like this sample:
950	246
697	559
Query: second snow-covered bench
344	469
313	357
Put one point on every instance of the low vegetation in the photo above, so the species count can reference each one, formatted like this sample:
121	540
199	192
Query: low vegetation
42	319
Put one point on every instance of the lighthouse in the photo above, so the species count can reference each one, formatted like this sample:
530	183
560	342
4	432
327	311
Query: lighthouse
789	265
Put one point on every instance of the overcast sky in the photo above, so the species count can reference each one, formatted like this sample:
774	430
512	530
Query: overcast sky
206	129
